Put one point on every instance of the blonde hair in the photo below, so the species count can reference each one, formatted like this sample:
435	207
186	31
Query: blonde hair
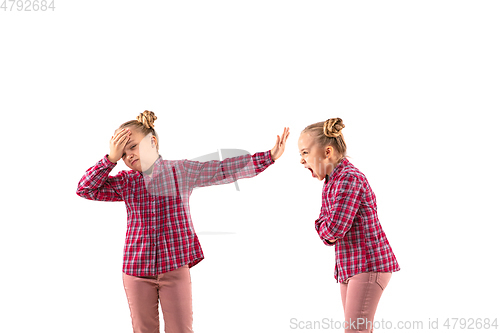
328	133
144	123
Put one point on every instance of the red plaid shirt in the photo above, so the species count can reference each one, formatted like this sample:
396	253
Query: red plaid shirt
349	214
160	235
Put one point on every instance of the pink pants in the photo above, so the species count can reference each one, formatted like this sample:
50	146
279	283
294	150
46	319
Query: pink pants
360	295
173	289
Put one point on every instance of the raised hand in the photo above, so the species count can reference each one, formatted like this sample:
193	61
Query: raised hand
279	147
117	145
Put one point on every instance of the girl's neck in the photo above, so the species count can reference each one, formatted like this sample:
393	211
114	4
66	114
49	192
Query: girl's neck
333	165
149	171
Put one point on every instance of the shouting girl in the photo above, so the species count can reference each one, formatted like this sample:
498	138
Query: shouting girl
348	219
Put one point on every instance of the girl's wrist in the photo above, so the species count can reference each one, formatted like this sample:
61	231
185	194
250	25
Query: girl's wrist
109	159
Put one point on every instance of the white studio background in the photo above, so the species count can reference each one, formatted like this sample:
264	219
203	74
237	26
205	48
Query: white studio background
416	84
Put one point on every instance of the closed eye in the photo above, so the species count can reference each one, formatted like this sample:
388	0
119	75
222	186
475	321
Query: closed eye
132	147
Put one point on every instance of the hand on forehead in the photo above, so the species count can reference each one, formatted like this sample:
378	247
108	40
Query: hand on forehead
137	137
133	132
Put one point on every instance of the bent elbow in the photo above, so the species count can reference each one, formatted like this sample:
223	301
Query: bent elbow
83	193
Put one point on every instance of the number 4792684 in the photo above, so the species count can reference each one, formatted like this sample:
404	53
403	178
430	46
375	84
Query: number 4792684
27	5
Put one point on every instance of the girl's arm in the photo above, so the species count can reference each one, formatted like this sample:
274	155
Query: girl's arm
226	171
346	198
233	168
96	184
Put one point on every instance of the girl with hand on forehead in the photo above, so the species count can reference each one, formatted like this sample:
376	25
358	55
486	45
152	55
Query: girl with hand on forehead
348	220
161	245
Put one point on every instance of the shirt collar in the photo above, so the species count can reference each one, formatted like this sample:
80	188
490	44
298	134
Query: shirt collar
337	169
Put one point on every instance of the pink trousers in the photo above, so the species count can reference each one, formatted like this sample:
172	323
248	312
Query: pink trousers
360	296
172	289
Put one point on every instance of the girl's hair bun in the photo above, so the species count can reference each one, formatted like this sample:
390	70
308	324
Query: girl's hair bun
332	128
147	118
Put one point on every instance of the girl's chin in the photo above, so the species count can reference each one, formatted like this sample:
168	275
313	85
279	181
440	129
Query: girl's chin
319	177
314	175
136	166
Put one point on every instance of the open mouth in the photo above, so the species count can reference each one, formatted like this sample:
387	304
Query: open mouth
312	172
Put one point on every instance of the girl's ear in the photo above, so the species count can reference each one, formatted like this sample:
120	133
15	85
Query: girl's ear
328	151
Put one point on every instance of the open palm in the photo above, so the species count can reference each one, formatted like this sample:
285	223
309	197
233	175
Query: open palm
279	147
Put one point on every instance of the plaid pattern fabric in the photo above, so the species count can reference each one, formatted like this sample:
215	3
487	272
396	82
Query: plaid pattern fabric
160	235
349	214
